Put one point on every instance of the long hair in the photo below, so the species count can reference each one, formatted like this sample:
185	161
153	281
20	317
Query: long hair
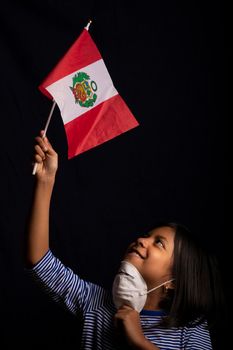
197	293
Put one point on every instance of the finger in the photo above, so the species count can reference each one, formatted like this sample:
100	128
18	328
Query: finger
120	314
44	137
38	159
46	144
39	151
41	143
125	307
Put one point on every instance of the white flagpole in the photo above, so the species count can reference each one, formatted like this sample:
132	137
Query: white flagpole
88	25
45	130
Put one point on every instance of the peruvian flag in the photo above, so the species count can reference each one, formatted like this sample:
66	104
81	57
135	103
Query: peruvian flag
91	108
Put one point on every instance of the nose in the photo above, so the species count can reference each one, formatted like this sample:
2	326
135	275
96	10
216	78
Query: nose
143	241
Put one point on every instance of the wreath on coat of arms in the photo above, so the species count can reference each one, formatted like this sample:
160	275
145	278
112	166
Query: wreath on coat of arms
84	89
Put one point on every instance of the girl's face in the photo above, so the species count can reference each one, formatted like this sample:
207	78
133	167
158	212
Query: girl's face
152	255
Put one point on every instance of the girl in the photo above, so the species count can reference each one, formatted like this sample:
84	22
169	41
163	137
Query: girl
164	292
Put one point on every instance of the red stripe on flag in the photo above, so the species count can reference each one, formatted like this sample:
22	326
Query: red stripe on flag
82	53
102	123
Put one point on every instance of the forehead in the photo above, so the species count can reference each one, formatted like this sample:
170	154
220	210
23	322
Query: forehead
164	231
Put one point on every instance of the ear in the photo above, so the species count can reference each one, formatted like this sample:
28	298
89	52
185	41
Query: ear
170	285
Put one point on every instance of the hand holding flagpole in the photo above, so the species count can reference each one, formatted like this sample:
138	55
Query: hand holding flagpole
44	134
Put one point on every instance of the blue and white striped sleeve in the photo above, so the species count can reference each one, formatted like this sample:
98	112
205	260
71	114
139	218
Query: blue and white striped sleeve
61	283
199	338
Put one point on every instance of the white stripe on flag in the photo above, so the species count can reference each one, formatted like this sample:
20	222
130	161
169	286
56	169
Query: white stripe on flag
61	92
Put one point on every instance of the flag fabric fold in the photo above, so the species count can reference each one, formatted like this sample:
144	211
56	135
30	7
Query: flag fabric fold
91	108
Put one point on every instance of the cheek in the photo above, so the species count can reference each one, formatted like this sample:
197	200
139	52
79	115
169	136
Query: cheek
156	270
152	270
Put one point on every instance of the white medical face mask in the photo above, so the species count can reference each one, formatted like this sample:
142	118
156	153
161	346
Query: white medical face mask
129	287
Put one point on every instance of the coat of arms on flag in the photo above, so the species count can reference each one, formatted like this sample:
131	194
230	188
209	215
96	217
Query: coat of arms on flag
91	108
84	89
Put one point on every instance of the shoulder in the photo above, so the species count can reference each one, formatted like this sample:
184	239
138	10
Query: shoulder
44	262
197	334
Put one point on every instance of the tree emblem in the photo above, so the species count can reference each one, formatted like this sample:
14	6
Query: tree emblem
84	89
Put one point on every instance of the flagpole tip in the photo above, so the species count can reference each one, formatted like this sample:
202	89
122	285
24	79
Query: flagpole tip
88	25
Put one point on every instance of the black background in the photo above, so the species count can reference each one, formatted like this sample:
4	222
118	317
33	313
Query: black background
166	59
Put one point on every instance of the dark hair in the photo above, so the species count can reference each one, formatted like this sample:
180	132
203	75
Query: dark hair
198	292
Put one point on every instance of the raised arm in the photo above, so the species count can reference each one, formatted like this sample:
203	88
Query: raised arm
38	226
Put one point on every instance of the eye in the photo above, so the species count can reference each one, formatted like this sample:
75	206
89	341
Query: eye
159	242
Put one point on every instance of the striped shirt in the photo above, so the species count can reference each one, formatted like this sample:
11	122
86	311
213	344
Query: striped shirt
94	304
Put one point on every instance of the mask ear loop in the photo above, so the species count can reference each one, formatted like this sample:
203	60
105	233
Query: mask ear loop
160	285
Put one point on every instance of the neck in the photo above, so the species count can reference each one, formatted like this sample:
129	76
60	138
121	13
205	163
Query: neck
153	300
